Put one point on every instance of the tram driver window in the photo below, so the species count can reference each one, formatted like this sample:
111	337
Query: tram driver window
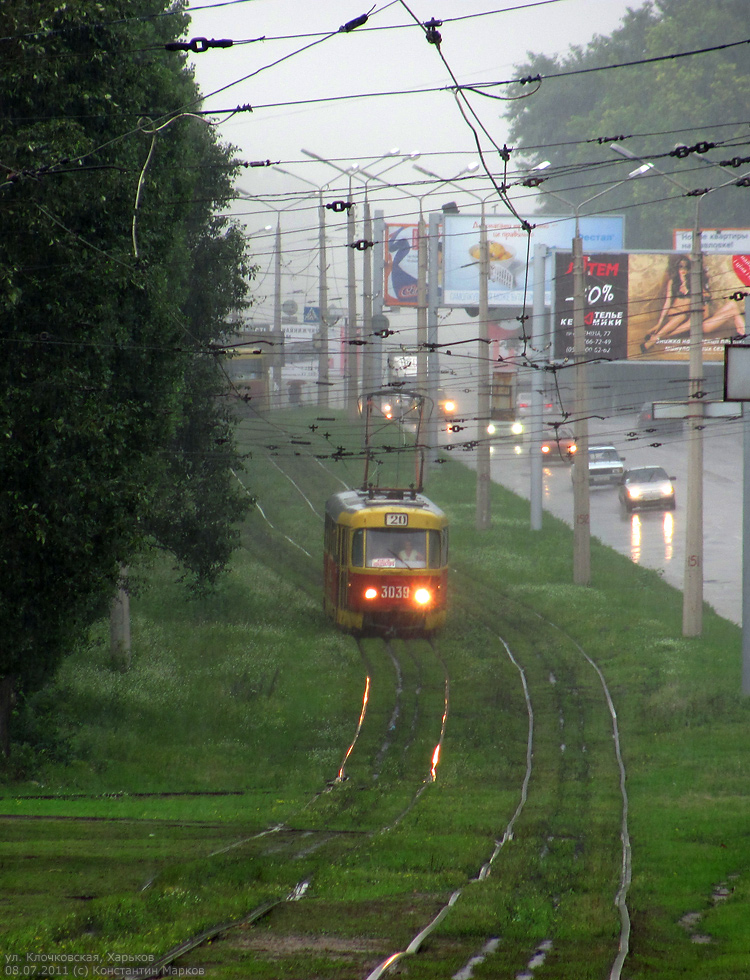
395	549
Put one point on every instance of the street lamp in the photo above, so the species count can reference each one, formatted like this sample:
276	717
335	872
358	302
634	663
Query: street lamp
581	499
368	365
350	379
483	514
245	196
692	595
323	378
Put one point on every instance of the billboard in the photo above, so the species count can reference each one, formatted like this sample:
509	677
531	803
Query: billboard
511	252
401	265
638	304
731	240
605	313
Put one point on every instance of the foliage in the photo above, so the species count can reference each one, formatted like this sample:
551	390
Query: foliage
649	108
211	765
107	395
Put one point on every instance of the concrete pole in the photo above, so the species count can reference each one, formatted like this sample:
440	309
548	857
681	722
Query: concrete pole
323	303
537	393
378	278
746	541
483	518
275	399
350	355
581	504
367	348
433	366
421	303
692	596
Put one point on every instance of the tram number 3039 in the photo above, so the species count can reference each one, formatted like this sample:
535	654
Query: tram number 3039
394	591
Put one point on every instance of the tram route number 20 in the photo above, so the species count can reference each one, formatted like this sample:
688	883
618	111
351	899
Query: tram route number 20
394	591
396	520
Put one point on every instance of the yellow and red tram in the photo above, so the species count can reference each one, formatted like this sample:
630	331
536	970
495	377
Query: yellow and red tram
385	561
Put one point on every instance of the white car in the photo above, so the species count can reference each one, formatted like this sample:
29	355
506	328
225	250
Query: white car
647	486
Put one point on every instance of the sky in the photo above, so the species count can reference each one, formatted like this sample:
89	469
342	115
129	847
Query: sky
296	53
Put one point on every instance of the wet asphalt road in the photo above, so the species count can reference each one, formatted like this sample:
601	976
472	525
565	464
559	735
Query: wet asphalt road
655	538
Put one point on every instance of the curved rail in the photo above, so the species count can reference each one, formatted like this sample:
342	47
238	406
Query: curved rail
417	941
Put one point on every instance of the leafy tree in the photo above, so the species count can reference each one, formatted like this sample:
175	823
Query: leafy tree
686	101
108	195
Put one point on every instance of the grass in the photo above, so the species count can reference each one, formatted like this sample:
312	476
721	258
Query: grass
248	699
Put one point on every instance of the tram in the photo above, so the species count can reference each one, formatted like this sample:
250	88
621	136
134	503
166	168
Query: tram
385	561
386	550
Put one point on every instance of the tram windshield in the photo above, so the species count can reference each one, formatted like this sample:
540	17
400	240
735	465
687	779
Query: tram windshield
391	548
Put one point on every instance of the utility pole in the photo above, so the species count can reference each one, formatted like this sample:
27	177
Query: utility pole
350	355
581	497
378	276
433	367
275	399
323	304
368	360
692	607
421	303
581	501
537	394
483	518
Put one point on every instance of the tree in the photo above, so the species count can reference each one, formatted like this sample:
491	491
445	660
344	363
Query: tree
107	200
687	100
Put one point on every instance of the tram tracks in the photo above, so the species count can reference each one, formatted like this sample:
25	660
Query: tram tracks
559	829
391	760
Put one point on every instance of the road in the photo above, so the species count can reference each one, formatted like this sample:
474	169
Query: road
655	539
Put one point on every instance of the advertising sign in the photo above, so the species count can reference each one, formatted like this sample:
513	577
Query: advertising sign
653	322
730	240
605	307
401	265
511	252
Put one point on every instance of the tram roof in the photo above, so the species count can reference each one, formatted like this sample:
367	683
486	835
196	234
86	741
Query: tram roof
355	501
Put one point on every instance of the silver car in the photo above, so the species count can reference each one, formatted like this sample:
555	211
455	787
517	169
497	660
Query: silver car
605	466
647	486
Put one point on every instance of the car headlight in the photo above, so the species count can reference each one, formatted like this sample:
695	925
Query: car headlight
516	428
371	593
667	489
545	449
634	492
422	597
449	407
491	429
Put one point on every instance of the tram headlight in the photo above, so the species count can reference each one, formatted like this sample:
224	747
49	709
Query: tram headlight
422	597
371	593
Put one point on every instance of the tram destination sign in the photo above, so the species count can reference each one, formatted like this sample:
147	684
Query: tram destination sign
396	520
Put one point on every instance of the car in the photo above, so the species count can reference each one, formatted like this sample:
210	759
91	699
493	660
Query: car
606	466
650	426
523	405
647	486
447	403
559	446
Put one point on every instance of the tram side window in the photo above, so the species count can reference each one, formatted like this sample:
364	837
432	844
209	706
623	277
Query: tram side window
434	549
342	557
330	536
358	548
